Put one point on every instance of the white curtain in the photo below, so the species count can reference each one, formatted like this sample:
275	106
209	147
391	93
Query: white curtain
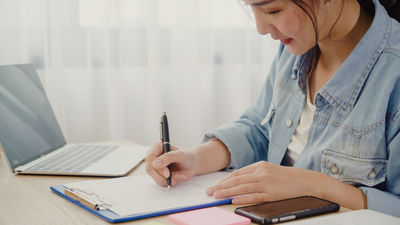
111	67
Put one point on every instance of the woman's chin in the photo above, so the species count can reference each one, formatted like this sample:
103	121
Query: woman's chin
296	50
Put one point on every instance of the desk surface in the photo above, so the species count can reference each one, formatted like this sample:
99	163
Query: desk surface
27	199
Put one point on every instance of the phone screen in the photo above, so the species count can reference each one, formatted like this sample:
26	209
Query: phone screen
285	207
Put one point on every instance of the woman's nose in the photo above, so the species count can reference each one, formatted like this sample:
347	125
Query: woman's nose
264	28
263	24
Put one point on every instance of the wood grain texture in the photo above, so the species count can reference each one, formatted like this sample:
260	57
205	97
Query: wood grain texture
27	199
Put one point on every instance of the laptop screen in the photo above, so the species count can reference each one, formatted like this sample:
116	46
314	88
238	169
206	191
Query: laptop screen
28	127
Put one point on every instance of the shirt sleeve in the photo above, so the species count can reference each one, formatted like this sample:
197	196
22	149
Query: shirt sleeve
246	138
382	201
388	201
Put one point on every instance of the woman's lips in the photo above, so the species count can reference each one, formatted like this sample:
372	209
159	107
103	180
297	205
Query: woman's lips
286	41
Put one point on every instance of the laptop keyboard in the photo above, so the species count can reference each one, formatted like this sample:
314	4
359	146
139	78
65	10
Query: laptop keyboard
75	159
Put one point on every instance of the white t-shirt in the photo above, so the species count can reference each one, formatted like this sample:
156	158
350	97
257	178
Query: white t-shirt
300	136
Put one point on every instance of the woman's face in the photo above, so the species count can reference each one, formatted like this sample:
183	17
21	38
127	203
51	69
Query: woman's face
286	22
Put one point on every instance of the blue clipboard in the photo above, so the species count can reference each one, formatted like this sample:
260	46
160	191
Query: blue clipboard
111	217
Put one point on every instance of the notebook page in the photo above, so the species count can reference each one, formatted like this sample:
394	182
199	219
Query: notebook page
140	194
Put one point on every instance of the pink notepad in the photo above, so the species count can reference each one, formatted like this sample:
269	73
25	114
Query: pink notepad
209	216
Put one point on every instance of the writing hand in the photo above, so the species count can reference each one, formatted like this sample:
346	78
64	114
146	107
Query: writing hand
182	164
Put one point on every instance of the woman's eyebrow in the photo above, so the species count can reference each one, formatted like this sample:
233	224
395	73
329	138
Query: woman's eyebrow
260	3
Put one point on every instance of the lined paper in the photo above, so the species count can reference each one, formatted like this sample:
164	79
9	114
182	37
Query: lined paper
140	194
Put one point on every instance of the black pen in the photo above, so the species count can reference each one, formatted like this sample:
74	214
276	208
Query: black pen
165	142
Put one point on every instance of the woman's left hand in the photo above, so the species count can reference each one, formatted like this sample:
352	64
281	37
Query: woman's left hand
264	181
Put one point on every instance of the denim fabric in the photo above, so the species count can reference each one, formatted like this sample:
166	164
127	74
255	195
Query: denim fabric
354	136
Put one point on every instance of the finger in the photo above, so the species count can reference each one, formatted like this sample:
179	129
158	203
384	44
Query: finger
178	178
240	172
253	198
160	165
173	147
232	182
244	189
155	150
163	172
168	158
248	169
150	156
157	177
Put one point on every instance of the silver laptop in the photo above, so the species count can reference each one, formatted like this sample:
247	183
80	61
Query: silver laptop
33	143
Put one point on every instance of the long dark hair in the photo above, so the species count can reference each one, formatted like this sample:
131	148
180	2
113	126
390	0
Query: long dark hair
391	6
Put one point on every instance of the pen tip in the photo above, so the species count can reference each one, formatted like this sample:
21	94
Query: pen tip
169	186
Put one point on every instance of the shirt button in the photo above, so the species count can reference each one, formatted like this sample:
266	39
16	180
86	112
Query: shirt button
372	174
334	169
289	123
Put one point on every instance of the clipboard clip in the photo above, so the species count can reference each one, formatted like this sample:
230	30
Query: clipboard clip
90	200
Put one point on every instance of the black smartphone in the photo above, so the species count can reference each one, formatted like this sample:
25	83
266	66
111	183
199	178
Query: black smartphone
287	209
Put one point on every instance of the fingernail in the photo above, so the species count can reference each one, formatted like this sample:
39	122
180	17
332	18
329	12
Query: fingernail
217	194
209	191
165	173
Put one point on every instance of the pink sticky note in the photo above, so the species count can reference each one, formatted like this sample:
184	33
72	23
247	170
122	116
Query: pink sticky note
209	216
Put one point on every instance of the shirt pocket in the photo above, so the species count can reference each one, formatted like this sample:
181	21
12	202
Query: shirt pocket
354	170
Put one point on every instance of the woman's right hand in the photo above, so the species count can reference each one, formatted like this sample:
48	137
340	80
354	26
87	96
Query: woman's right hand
183	164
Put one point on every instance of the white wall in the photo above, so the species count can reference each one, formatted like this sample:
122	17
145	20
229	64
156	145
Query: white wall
111	67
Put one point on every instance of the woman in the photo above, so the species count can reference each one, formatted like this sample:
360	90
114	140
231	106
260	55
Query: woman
327	121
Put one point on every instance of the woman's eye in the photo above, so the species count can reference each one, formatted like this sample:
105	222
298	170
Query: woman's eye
272	12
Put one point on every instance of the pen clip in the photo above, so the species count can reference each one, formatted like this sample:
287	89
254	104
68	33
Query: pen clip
161	130
164	128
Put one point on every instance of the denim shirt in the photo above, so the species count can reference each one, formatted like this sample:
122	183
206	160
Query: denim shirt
354	136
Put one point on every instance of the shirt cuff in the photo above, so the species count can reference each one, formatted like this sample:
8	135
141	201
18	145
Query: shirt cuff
382	201
237	144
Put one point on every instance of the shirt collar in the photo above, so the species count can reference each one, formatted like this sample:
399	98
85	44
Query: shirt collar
300	69
343	89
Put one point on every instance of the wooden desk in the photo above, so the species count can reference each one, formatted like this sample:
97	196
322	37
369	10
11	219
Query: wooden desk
27	199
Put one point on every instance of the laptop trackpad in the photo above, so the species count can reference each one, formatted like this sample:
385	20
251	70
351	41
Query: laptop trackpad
119	162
